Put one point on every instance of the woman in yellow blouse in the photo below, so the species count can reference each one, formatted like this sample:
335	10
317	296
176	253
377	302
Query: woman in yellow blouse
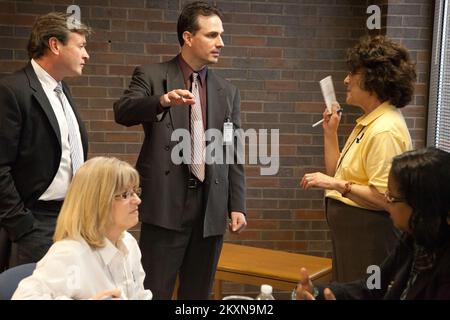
380	82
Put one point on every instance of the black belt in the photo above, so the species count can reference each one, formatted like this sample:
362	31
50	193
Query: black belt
194	183
52	205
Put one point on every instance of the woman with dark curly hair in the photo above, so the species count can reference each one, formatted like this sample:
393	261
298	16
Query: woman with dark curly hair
380	81
418	201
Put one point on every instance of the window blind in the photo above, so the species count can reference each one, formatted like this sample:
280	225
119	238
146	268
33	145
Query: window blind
439	102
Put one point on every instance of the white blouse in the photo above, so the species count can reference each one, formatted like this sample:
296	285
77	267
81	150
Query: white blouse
71	269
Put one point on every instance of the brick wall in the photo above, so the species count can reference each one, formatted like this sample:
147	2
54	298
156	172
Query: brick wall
411	23
276	51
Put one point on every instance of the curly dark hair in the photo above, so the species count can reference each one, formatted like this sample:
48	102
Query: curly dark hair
187	21
386	68
423	177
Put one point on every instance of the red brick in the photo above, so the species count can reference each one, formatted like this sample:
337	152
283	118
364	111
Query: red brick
287	150
122	137
246	235
106	82
115	92
161	26
162	49
277	235
262	204
12	66
106	147
251	106
249	18
295	139
266	30
309	215
265	52
17	19
96	136
8	7
119	25
316	107
248	41
106	58
262	182
93	47
136	60
254	224
224	63
121	70
89	114
291	246
13	43
281	85
101	102
128	4
93	69
106	126
140	14
88	91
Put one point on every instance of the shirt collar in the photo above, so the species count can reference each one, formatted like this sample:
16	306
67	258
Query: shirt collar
109	251
367	119
44	78
187	71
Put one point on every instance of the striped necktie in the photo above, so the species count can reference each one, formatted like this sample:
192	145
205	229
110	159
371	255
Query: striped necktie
76	149
197	133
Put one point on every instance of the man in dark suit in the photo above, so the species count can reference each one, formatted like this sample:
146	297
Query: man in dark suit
185	206
42	138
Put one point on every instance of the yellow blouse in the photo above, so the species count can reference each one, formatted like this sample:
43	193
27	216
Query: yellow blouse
367	155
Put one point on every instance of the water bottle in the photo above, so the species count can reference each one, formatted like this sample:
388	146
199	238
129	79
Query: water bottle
266	293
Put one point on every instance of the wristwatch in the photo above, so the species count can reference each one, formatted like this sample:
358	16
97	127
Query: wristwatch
315	293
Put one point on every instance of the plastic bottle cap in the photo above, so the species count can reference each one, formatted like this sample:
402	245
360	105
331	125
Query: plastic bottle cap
266	289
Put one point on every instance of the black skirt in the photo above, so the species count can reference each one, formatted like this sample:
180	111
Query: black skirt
360	238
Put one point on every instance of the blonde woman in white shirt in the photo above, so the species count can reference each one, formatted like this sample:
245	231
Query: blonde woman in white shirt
93	257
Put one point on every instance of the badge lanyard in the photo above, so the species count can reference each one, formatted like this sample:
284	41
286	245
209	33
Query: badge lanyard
357	139
227	132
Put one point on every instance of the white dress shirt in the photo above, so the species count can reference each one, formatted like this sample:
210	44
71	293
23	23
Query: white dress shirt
58	188
71	269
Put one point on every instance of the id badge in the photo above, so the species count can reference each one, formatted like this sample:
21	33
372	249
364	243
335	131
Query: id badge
227	132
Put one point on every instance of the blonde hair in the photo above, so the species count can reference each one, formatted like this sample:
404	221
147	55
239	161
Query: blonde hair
86	211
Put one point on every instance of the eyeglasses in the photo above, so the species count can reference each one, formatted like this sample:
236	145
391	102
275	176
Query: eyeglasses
354	73
128	194
392	199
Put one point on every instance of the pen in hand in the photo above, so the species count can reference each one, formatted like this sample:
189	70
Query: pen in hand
321	120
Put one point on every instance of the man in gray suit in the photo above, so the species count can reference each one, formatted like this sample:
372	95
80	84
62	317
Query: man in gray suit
185	206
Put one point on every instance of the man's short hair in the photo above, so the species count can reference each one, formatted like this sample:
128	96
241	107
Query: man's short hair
187	21
53	24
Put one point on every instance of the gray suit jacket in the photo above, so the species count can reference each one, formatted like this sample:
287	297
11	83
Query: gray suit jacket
164	183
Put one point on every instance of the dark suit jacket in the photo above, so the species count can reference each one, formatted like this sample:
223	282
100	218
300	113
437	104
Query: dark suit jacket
30	147
433	283
164	183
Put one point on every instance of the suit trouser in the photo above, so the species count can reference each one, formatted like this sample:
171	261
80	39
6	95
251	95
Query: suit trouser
34	245
5	249
168	253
